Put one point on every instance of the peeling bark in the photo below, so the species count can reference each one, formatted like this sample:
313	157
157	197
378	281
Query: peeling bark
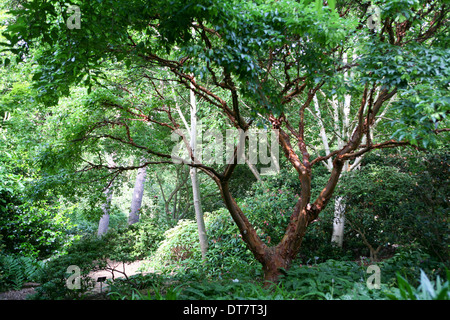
338	222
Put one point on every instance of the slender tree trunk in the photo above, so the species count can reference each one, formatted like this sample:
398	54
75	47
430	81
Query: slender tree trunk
138	193
103	224
199	213
337	237
193	172
174	216
194	180
253	169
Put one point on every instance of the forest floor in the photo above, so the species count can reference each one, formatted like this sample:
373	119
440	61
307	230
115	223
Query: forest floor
116	269
27	289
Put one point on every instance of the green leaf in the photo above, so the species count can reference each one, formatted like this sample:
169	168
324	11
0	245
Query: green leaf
332	4
406	289
426	284
319	5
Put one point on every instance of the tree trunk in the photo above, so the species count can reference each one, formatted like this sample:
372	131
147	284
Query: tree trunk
199	213
138	193
273	265
103	224
273	259
337	237
194	180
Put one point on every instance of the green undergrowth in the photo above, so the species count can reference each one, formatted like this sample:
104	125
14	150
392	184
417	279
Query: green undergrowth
330	280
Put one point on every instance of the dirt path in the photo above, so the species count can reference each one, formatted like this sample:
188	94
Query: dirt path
118	269
114	268
22	294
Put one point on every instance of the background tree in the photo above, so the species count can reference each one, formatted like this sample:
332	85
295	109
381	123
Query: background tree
138	193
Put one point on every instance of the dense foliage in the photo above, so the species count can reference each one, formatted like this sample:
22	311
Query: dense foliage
83	108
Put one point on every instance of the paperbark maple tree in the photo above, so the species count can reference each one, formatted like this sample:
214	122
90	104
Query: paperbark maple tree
252	60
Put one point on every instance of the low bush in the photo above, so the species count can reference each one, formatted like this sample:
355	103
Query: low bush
16	270
134	242
408	263
227	253
92	254
329	280
88	255
34	230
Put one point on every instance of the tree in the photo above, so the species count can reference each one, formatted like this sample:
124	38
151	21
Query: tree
251	61
193	137
194	179
180	200
341	127
103	224
138	192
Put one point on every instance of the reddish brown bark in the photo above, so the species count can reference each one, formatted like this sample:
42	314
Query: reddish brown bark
278	257
305	210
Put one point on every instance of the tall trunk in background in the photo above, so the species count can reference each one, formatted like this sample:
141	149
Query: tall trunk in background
337	237
193	171
103	224
341	130
138	193
194	180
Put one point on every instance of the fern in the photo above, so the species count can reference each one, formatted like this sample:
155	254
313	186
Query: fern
31	268
13	272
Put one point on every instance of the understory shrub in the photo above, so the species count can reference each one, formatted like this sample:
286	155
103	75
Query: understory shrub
329	280
134	242
88	255
34	230
227	253
408	263
92	254
16	270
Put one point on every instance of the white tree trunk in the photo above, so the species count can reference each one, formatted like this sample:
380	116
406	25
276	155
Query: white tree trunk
194	180
323	134
337	237
103	224
199	213
342	134
138	193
